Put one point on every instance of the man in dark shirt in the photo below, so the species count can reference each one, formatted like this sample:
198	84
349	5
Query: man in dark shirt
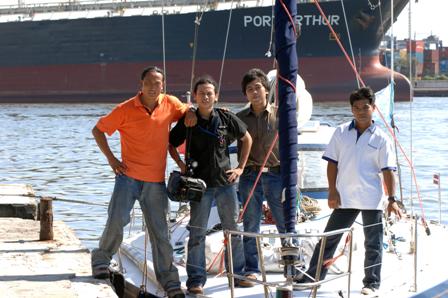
208	145
261	120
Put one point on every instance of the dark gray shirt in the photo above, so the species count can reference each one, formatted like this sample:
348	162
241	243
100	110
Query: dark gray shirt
262	129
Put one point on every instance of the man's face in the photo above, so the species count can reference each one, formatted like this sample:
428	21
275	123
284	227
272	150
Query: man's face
152	84
363	111
205	96
256	93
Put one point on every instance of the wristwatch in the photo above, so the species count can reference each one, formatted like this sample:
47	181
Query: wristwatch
392	199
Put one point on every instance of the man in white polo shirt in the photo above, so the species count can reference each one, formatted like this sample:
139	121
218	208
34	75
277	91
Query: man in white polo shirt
357	154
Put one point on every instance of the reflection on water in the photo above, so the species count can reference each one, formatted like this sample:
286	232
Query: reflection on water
50	146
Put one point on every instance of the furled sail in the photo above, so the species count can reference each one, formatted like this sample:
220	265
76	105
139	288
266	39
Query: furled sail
286	54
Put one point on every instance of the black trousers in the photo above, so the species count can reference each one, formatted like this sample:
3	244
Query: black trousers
373	243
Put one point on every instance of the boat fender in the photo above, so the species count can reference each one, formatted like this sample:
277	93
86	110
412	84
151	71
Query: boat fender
303	97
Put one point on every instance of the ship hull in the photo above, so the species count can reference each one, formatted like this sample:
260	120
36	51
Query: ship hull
100	59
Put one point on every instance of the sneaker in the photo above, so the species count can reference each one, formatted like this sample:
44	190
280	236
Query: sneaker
303	284
196	290
175	293
368	291
101	272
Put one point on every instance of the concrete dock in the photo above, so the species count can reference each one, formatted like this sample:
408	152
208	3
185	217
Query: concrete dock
431	88
29	267
55	268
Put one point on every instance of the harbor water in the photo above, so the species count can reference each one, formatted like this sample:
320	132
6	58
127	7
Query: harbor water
50	146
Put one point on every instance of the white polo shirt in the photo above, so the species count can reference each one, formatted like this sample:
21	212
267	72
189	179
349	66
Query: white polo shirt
360	160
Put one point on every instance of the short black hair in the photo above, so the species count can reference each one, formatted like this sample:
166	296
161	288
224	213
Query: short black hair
150	69
362	93
252	75
205	79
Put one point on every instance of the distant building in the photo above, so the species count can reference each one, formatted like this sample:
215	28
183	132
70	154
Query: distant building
429	56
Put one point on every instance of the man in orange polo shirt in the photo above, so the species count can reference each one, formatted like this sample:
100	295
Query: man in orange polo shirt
144	124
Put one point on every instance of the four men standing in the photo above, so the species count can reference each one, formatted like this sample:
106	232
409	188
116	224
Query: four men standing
144	122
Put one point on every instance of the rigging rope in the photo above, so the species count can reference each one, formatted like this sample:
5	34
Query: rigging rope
163	45
358	77
269	51
349	39
249	197
225	46
65	200
197	23
390	80
144	283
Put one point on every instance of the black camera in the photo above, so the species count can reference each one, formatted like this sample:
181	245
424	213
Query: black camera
182	188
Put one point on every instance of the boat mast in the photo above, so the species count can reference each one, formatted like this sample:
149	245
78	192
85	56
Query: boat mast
285	12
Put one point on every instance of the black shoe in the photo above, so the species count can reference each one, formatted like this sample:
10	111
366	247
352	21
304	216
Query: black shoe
101	272
175	293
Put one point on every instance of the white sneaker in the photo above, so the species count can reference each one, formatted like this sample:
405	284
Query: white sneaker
368	291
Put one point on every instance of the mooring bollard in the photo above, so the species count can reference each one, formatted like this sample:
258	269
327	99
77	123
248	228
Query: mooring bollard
46	219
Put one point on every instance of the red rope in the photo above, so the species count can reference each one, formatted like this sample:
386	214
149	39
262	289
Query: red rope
339	42
329	262
249	197
414	176
216	258
289	16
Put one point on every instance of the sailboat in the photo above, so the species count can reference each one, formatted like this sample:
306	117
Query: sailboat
411	264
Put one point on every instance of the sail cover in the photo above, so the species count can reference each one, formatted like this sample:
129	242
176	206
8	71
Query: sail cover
384	101
286	54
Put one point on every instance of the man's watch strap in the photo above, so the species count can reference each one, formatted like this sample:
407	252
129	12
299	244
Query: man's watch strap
392	199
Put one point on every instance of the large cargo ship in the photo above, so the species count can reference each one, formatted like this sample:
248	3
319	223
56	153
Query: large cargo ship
94	51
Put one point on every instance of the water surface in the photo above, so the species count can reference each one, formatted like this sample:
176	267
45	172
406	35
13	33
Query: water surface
50	146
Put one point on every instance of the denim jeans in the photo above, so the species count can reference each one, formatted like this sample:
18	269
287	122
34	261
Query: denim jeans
228	209
373	243
270	187
154	204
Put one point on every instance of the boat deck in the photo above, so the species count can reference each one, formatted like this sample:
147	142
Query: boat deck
397	272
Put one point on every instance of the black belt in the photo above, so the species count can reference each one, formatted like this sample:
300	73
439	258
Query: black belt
265	169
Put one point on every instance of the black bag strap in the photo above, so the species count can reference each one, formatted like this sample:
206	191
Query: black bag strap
187	149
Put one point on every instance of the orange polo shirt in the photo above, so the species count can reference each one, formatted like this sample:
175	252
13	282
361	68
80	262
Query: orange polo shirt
143	136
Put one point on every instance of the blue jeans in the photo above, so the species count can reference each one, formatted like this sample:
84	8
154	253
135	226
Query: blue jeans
154	204
228	209
270	187
373	243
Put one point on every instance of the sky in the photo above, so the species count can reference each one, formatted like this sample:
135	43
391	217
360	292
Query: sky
428	17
